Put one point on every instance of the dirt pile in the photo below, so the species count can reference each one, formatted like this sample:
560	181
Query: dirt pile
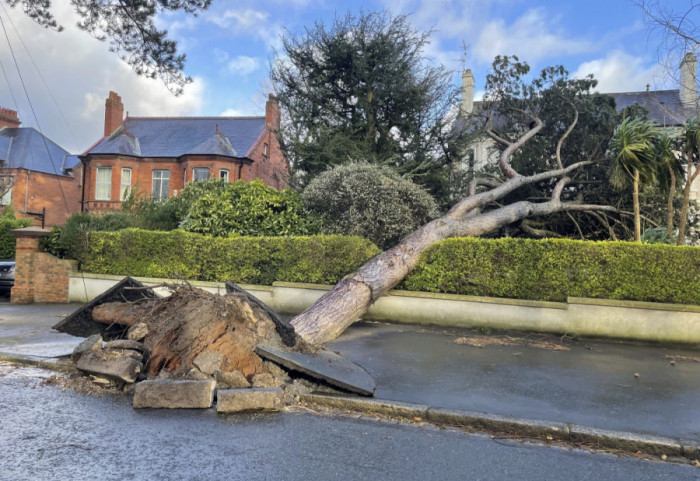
194	334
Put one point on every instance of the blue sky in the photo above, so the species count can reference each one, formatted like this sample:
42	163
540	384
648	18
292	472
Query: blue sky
229	48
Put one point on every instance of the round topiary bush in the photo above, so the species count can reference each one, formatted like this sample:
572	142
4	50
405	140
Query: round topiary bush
369	201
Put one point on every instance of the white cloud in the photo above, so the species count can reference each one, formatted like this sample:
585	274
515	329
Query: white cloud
620	72
80	72
532	37
240	20
243	65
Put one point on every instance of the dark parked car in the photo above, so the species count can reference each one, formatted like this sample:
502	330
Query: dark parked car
7	274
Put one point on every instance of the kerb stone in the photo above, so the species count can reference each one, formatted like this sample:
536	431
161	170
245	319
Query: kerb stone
255	399
174	394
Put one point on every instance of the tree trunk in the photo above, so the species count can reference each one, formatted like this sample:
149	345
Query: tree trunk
635	199
669	205
328	317
686	203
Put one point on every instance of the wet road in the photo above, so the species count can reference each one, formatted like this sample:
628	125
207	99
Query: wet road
49	434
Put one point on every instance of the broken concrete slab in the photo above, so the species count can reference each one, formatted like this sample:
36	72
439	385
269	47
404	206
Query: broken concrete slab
92	343
115	364
172	394
283	327
208	361
255	399
231	380
137	332
326	366
80	322
125	344
265	379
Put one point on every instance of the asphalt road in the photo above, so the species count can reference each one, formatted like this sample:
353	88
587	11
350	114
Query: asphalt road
50	434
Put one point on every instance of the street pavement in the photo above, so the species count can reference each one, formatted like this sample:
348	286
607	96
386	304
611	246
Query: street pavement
601	384
49	434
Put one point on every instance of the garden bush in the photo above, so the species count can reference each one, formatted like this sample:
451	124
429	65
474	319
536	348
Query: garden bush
9	222
552	270
370	201
219	208
254	260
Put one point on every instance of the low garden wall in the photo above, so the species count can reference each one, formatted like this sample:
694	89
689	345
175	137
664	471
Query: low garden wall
616	289
577	317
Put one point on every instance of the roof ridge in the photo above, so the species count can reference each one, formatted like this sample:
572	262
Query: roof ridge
195	117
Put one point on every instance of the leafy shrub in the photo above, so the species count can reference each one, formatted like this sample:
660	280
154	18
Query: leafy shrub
9	222
370	201
221	209
257	260
72	239
552	270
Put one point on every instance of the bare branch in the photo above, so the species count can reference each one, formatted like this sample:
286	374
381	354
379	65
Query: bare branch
465	205
527	227
568	131
556	193
503	162
498	139
578	227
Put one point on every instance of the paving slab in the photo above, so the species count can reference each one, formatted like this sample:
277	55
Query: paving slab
80	322
174	394
250	399
326	366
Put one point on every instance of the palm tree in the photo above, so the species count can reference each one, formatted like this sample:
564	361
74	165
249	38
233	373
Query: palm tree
670	174
634	160
691	150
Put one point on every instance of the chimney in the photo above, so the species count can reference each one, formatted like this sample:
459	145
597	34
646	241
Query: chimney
467	92
114	113
8	118
272	113
688	91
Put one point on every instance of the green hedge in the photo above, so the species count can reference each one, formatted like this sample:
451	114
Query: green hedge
253	260
8	223
552	270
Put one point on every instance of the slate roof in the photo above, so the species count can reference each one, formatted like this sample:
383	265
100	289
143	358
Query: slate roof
26	148
664	106
177	136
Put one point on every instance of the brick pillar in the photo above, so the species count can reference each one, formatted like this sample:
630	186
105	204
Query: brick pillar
25	272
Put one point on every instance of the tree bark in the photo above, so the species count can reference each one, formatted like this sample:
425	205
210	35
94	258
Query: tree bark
692	175
669	204
635	199
328	317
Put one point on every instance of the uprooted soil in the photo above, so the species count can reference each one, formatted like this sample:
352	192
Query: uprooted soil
194	330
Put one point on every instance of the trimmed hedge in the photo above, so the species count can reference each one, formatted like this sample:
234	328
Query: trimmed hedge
8	223
253	260
552	270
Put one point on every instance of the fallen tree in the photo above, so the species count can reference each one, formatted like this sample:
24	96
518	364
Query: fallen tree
477	214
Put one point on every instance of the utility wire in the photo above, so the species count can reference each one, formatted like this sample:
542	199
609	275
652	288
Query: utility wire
36	120
9	86
48	89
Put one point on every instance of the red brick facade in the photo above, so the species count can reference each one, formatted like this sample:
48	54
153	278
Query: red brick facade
263	161
33	191
39	276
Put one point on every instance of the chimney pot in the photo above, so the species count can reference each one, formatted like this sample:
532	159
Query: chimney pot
272	113
688	91
8	118
467	92
114	113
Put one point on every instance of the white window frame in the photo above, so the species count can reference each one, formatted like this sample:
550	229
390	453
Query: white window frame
163	191
6	199
195	170
125	187
224	175
265	154
103	189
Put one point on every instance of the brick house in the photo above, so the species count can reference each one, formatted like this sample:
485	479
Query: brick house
41	176
158	156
